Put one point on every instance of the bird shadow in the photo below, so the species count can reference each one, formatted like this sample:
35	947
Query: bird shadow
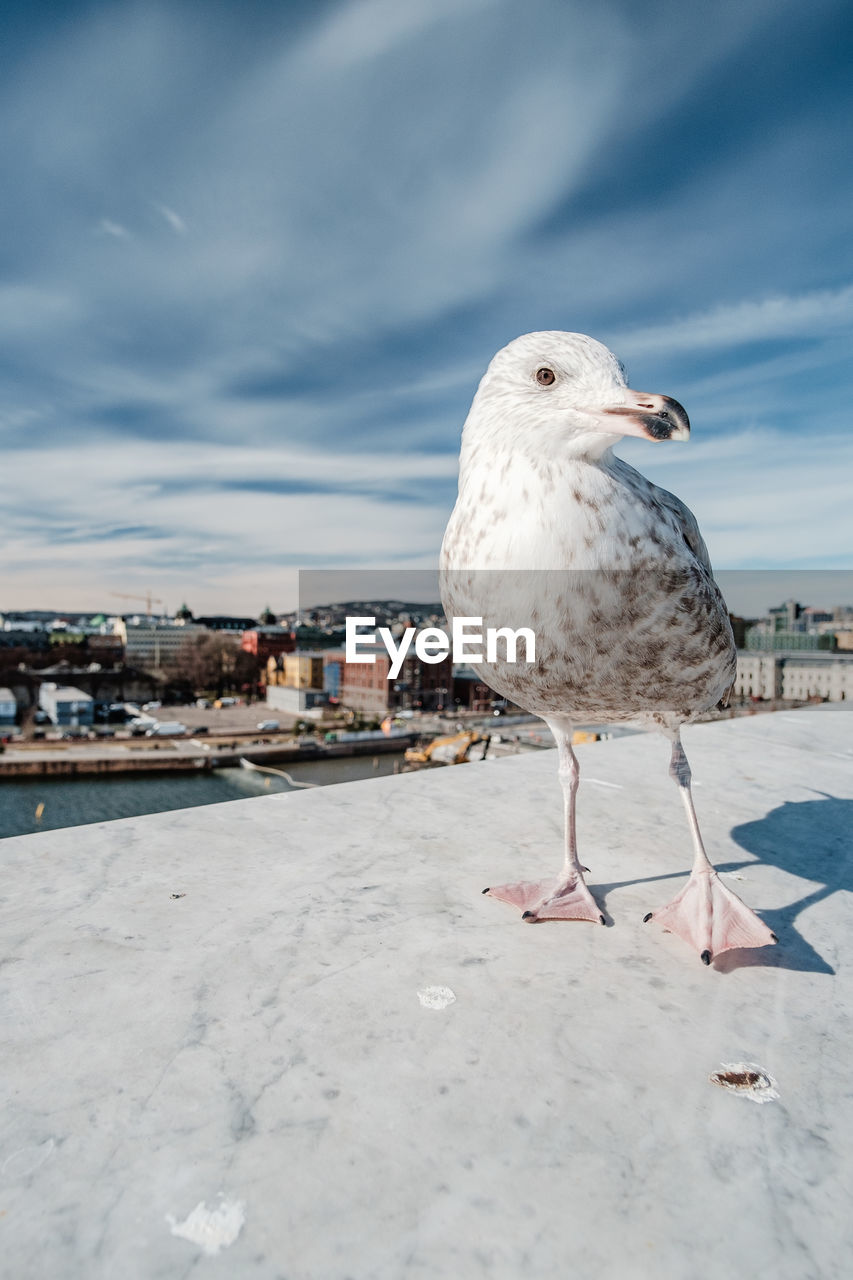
808	839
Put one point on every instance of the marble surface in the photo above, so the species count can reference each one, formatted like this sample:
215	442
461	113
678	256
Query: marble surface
288	1037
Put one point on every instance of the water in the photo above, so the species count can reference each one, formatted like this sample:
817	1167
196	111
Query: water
72	802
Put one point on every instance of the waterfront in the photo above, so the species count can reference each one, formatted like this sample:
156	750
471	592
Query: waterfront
70	802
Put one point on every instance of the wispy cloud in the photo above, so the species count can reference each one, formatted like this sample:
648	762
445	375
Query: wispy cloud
174	220
220	512
813	314
107	227
366	29
325	220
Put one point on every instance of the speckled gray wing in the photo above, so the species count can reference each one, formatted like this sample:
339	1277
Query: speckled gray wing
720	636
680	517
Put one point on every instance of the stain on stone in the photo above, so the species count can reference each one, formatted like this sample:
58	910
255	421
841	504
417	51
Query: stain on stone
747	1079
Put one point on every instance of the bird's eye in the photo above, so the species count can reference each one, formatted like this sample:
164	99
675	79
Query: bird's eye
546	377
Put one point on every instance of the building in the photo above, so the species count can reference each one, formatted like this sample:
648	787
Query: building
8	707
420	686
814	616
791	626
469	691
817	677
265	642
365	687
785	617
105	648
794	676
361	686
34	640
225	623
296	671
156	643
780	641
66	705
295	683
333	668
102	683
759	675
282	697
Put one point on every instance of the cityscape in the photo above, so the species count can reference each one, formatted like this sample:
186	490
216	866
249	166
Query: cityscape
66	675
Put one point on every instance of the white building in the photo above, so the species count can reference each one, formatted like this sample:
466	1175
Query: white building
831	678
759	675
302	702
65	704
794	676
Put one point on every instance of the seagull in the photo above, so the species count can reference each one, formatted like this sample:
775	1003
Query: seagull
553	532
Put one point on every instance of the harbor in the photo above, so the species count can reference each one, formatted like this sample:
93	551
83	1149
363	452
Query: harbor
176	755
49	784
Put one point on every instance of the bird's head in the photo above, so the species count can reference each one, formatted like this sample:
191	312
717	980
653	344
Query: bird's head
566	394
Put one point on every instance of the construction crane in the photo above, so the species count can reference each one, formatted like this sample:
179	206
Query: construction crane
148	598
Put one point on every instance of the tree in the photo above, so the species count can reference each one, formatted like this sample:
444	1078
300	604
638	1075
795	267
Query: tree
214	662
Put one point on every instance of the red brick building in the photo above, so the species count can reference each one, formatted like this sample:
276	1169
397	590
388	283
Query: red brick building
268	642
420	685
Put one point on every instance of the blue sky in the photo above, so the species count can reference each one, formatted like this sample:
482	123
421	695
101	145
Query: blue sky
256	257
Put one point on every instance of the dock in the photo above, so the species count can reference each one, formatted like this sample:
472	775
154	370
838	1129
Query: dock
181	755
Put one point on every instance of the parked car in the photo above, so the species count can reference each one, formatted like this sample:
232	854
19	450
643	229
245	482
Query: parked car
202	703
151	706
269	726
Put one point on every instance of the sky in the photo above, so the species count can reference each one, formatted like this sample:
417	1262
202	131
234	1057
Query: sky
255	257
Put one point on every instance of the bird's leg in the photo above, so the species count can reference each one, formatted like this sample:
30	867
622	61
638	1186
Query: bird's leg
706	914
566	897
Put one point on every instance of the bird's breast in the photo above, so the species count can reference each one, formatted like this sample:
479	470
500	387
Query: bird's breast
525	516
